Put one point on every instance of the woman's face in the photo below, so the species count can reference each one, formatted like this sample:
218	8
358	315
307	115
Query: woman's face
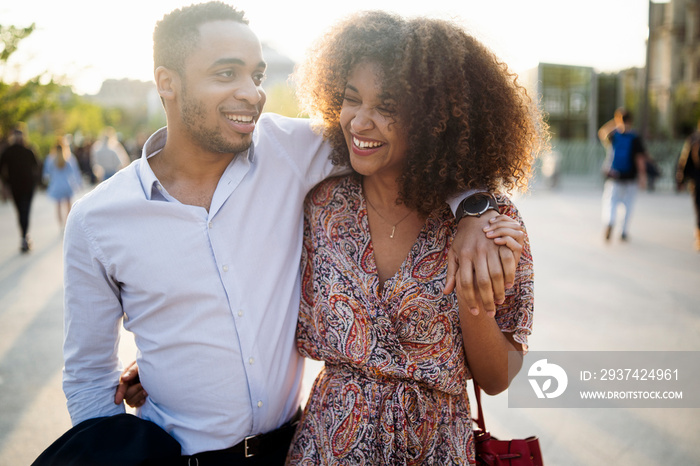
375	140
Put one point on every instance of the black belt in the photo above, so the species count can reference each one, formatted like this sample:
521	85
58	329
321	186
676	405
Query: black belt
251	446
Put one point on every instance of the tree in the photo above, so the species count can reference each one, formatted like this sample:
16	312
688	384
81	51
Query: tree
19	101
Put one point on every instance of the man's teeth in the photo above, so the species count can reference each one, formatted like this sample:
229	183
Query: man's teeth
240	118
366	144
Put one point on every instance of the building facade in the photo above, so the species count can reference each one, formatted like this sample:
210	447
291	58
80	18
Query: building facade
674	64
568	95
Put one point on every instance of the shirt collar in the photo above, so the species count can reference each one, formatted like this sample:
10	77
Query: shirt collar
155	144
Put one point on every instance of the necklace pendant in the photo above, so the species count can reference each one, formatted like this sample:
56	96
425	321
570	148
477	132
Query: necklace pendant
393	230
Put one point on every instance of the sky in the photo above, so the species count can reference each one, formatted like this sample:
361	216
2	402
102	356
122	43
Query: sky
85	42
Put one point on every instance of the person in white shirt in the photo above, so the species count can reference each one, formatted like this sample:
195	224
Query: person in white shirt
195	248
107	155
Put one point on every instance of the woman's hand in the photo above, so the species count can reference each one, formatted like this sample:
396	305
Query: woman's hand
484	264
129	388
506	231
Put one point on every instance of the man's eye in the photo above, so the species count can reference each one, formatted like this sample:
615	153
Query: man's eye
226	73
258	78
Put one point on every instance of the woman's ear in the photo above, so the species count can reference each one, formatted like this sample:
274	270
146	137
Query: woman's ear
167	83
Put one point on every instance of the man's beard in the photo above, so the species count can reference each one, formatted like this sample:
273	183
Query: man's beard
211	139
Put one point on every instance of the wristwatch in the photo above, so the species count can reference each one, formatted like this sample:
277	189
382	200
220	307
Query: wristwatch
475	205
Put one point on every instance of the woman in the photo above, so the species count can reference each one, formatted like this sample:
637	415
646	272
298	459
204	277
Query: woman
420	111
63	175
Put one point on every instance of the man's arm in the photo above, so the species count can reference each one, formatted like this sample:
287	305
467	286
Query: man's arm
641	161
685	156
477	258
92	317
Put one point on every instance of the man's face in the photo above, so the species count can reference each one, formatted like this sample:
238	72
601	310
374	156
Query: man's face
222	96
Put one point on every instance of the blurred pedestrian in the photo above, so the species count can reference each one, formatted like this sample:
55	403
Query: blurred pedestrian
108	155
688	172
19	169
62	173
624	169
82	154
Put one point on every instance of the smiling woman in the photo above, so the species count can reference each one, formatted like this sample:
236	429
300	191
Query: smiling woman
420	111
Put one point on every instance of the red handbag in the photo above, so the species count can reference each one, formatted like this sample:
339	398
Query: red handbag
491	451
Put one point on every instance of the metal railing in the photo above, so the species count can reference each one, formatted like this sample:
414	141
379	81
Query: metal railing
583	161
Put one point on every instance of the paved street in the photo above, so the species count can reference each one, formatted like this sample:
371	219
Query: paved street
640	295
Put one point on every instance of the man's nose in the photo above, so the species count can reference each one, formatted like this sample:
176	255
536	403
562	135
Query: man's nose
248	91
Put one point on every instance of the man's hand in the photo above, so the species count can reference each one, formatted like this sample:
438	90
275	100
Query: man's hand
130	389
484	267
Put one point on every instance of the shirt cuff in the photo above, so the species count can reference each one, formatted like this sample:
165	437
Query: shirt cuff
456	199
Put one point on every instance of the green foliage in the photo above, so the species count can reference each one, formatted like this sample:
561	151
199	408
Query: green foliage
686	110
85	118
281	99
18	102
10	37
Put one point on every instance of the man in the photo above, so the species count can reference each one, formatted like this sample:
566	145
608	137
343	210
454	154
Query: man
19	169
688	171
625	167
197	246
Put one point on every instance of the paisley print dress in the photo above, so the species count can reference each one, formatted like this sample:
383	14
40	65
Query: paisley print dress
393	389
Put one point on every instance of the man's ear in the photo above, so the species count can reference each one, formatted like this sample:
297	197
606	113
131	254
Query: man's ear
167	83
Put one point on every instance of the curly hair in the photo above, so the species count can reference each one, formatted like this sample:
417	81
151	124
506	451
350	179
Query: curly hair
468	122
177	33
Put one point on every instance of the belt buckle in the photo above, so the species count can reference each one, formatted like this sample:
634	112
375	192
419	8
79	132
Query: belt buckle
247	453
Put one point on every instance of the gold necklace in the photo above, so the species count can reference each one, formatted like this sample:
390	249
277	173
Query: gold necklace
393	228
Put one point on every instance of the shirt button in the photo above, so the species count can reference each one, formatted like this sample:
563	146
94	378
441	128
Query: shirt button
225	268
240	313
259	404
251	361
211	225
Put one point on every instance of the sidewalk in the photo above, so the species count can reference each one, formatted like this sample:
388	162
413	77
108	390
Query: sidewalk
641	295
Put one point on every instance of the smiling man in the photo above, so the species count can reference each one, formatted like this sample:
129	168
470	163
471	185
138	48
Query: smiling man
195	247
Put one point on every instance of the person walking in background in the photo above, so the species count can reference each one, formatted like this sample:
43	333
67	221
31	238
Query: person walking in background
82	154
62	173
624	169
19	169
688	171
108	155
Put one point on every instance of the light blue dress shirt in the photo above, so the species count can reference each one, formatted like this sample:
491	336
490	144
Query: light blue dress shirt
211	297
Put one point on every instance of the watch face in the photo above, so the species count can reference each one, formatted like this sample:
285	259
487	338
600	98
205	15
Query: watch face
475	204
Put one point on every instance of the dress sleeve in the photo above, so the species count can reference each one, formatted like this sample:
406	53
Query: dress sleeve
515	314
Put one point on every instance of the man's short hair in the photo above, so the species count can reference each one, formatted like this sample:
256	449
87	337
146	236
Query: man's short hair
178	32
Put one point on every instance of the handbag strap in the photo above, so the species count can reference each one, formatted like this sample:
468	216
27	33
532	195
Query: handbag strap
480	419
